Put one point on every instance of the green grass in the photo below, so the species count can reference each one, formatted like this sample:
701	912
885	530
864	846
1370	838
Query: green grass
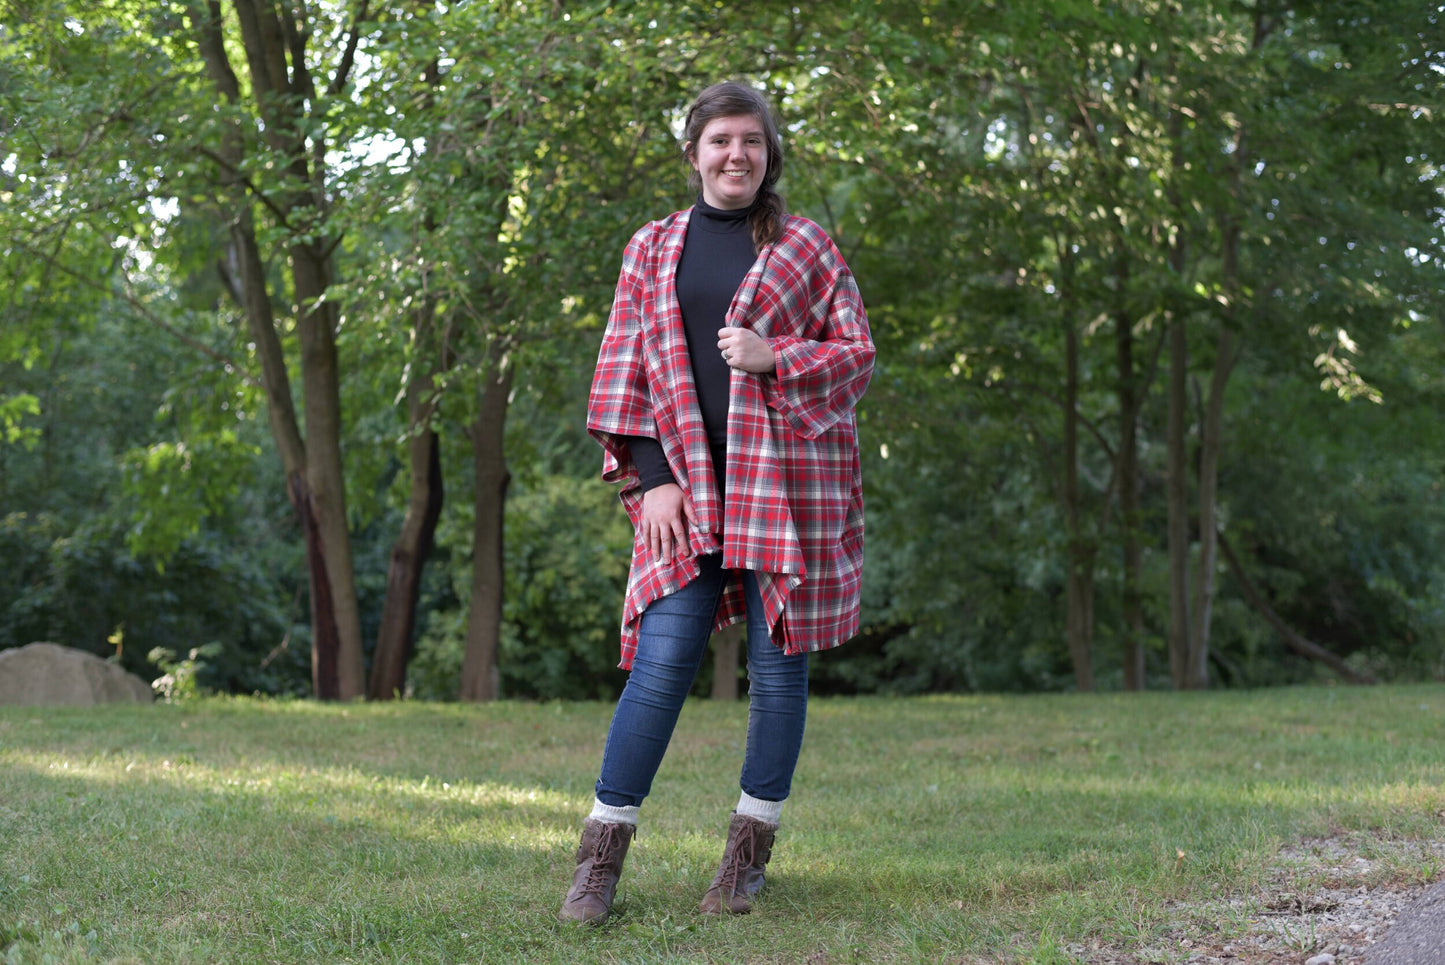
949	829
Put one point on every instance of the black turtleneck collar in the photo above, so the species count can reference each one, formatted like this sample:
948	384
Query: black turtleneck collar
725	214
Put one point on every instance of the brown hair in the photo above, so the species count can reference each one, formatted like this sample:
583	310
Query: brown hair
731	99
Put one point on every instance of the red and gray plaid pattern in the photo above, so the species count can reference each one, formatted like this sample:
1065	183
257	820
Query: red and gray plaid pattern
793	512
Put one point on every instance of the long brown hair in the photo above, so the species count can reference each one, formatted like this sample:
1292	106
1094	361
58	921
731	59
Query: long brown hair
731	99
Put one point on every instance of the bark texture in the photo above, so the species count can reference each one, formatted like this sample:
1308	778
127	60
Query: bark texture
1081	549
1127	482
409	554
491	477
425	489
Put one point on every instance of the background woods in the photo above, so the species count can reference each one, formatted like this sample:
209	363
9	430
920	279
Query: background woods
300	302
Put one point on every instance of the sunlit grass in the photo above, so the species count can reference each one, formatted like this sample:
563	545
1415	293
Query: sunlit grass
948	829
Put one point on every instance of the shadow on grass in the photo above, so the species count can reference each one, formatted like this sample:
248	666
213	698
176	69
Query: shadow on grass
440	833
177	869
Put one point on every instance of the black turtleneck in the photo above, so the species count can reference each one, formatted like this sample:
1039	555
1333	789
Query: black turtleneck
716	256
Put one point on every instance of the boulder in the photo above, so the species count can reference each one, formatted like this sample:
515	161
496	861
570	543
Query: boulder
46	673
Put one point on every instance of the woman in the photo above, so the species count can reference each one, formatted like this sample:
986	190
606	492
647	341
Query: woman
724	397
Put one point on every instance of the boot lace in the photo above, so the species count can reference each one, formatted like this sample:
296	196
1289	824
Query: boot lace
738	860
603	869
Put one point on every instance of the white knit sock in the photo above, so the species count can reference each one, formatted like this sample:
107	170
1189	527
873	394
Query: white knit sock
768	812
608	814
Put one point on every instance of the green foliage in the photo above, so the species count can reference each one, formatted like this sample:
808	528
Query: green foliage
960	556
74	586
997	176
434	671
1056	141
174	487
13	411
178	681
568	546
1338	533
140	505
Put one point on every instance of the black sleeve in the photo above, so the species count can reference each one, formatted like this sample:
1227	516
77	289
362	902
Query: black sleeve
652	468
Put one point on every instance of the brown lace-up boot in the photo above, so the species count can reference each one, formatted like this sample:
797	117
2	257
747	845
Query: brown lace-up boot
599	865
740	877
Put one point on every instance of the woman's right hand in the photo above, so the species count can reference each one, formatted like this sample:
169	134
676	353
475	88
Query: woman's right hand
666	513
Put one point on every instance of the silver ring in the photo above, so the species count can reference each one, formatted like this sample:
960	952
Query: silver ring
727	356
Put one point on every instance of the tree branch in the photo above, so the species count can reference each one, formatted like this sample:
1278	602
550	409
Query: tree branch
348	57
238	178
1092	428
1288	635
143	311
295	36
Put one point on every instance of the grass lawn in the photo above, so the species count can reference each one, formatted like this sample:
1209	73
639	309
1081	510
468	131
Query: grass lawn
941	830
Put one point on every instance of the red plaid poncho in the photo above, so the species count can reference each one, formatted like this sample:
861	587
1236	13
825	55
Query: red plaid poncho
793	512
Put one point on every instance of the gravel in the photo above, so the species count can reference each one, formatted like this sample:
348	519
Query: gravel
1325	901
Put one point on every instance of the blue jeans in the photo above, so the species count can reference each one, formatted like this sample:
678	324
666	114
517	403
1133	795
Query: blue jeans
672	639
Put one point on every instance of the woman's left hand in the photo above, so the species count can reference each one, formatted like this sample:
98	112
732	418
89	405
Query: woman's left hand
742	348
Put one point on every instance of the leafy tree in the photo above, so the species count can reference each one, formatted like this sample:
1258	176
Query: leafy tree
143	106
1110	256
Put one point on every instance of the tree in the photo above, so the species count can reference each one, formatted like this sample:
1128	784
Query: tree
149	100
395	228
1238	120
283	129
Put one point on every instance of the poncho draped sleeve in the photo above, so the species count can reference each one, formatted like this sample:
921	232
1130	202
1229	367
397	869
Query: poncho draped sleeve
793	509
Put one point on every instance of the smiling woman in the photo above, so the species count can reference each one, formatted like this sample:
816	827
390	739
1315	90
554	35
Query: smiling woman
724	393
730	158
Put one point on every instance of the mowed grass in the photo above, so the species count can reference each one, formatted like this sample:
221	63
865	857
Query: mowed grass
943	829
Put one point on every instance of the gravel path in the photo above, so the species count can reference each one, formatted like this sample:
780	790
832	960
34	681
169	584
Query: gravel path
1326	901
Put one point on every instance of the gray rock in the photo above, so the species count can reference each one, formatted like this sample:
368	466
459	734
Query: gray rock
46	673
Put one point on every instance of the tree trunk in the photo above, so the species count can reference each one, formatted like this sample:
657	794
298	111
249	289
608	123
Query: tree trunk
408	557
1178	500
1080	616
335	674
725	650
248	272
290	445
480	675
1210	445
335	635
1177	458
1211	426
1127	477
1079	585
426	491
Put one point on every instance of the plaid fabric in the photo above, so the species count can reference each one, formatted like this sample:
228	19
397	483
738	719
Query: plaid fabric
793	512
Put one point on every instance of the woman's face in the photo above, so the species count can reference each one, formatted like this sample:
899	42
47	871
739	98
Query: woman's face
731	156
